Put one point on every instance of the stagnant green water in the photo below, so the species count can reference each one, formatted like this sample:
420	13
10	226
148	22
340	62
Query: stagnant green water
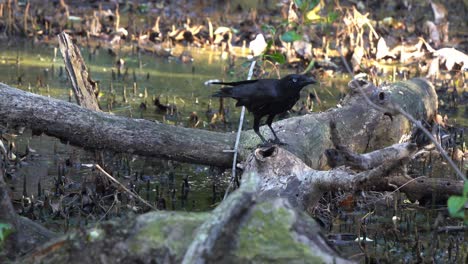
39	69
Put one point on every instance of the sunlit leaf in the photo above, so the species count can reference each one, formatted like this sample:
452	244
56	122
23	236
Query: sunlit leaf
465	189
222	30
276	57
290	36
313	14
74	18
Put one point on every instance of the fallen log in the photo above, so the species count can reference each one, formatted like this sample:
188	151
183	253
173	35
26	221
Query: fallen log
360	127
260	222
249	226
421	188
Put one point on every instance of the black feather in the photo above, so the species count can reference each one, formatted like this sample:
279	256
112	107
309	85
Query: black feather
266	97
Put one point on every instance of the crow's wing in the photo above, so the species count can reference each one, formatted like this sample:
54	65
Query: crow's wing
255	93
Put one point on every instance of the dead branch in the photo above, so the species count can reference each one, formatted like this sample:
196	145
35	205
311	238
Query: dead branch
84	88
359	127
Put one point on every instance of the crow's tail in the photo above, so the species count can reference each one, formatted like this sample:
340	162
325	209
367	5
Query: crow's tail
223	92
235	83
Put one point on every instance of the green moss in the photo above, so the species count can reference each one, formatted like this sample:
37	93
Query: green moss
266	237
173	231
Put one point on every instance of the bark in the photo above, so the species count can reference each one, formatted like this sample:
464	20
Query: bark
260	216
268	232
258	223
421	188
98	130
84	88
343	156
222	221
356	125
285	175
241	229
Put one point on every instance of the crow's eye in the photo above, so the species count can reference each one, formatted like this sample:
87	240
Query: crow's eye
294	79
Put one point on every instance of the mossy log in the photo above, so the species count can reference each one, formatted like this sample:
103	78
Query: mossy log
259	222
357	125
272	232
244	228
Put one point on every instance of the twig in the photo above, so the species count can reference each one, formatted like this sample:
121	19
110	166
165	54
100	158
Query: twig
123	187
108	210
406	183
236	145
410	118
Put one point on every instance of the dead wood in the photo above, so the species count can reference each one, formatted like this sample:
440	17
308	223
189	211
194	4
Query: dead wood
260	215
343	156
285	175
282	174
242	229
420	188
361	128
84	88
222	222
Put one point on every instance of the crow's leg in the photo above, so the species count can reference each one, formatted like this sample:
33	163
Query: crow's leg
269	122
256	128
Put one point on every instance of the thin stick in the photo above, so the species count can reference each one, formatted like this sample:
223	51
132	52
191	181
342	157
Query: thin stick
239	130
123	187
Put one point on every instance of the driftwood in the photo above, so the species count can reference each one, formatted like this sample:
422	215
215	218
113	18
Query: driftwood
361	128
83	87
277	183
266	232
260	216
222	220
284	175
422	188
242	229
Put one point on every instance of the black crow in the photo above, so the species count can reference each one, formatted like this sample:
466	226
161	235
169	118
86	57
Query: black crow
266	97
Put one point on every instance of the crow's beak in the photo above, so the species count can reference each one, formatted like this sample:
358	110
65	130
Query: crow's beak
309	80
